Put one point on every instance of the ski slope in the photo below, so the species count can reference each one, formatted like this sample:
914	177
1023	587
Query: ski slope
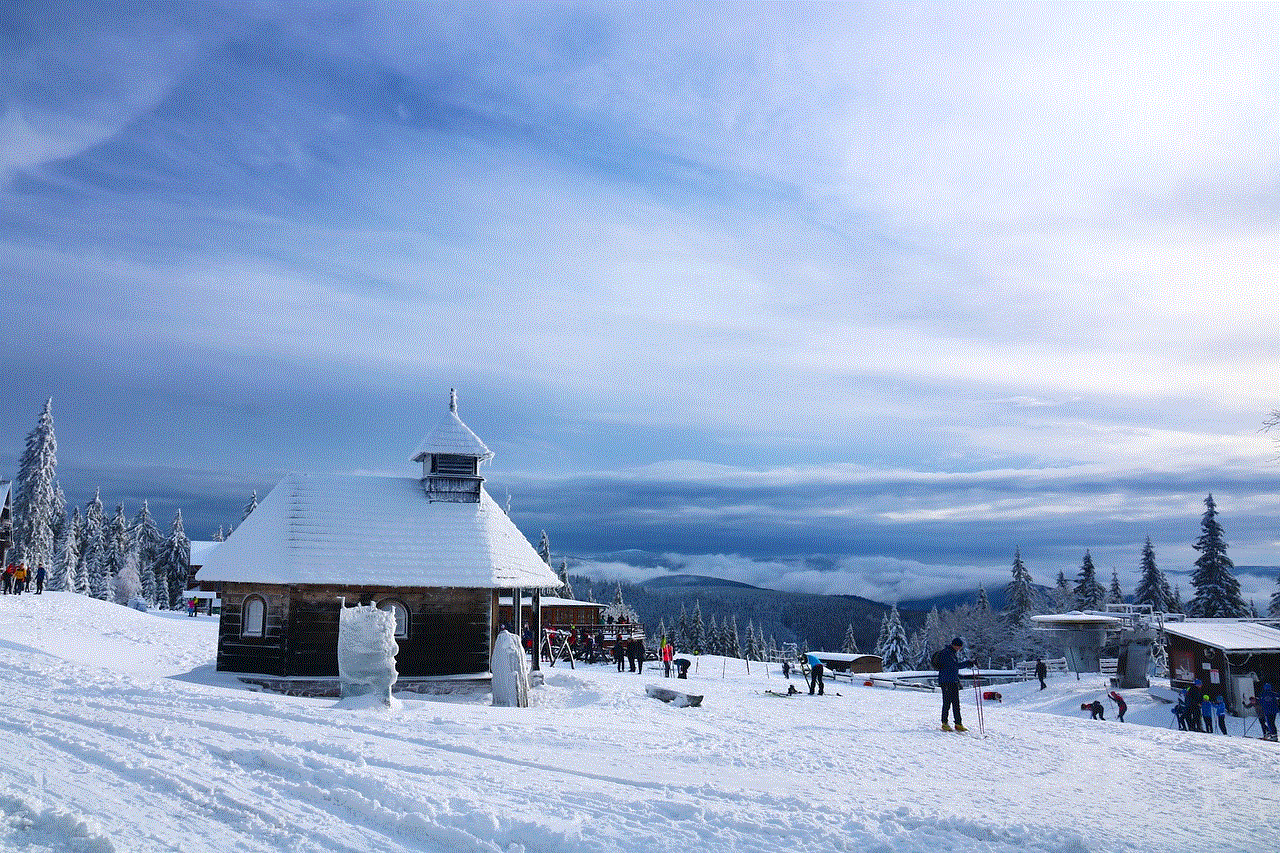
122	737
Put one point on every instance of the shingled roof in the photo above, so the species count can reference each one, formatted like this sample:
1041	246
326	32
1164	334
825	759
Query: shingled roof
375	531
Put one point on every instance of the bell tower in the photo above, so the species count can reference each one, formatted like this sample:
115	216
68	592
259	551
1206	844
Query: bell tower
451	455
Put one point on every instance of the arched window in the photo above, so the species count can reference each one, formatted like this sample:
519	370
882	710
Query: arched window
253	615
400	612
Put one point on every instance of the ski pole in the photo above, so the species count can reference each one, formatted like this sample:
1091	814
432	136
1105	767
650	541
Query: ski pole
977	696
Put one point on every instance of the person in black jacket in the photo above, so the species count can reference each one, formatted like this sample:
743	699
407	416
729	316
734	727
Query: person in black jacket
1041	672
949	682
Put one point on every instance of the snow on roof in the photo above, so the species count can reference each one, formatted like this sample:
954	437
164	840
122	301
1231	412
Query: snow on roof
844	656
200	549
452	436
375	531
1077	619
551	601
1228	636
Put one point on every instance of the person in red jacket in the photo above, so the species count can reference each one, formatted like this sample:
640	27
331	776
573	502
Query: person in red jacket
1121	707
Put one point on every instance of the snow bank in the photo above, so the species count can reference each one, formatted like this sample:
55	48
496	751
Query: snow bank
195	762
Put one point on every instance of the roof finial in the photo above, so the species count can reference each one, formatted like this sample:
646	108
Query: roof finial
453	401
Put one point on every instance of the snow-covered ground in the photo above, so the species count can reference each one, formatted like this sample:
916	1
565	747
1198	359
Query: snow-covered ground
122	737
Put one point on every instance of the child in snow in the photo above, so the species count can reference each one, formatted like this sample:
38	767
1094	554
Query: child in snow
1121	707
1180	714
1206	711
1220	708
1096	710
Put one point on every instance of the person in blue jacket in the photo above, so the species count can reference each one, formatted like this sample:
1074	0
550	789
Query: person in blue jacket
1191	696
949	682
815	674
1206	711
1220	708
1268	702
1180	713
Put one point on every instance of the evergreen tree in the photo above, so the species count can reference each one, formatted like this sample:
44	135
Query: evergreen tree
1115	595
1063	598
116	544
566	587
896	651
94	550
1175	603
174	563
1153	588
1020	594
148	543
219	536
735	639
1275	600
918	651
1217	590
35	497
755	648
933	634
544	548
850	646
66	555
714	637
883	637
250	506
697	631
683	642
1090	594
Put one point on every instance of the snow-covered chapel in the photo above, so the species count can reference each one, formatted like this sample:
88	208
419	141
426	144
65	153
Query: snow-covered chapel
435	550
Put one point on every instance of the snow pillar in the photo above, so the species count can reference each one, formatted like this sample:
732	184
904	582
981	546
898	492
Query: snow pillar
510	672
367	652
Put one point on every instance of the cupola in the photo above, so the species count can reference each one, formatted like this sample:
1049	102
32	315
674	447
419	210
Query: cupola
451	455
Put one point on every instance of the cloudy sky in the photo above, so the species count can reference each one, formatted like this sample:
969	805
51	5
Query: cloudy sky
834	297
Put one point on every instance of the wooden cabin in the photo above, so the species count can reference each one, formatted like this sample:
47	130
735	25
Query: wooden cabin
434	550
1231	658
557	613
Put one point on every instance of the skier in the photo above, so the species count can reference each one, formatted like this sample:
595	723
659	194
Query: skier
1220	708
1206	711
8	578
1041	672
1180	712
1121	707
1096	711
786	669
40	580
815	674
667	654
1191	697
949	681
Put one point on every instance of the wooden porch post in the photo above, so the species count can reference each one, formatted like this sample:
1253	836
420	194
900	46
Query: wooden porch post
493	625
536	621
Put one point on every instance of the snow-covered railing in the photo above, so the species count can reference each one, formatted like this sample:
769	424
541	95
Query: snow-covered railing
1027	668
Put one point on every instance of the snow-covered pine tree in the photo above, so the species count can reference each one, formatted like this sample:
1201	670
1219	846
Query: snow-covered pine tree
175	562
1115	595
1020	595
1152	586
850	646
735	639
1089	594
66	555
918	653
94	550
1175	603
250	506
128	581
682	632
566	588
35	496
219	536
544	548
1062	599
1275	600
662	631
933	635
697	630
751	650
715	645
897	652
148	542
1217	590
883	637
116	545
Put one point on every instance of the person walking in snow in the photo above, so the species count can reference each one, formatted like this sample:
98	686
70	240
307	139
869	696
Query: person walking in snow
1096	710
1268	702
1121	707
1042	672
1206	712
618	653
667	654
19	579
8	579
786	669
948	665
1220	708
1191	698
1180	714
815	675
40	580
